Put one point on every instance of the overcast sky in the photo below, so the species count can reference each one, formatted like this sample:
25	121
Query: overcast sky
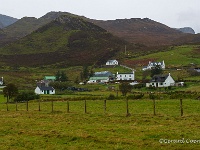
173	13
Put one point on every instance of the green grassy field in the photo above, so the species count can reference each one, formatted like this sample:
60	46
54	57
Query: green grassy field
176	57
97	129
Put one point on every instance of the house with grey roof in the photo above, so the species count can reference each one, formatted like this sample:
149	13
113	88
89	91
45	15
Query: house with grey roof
161	81
44	90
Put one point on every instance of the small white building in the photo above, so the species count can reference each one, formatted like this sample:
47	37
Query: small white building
1	81
125	76
161	81
44	90
112	63
154	64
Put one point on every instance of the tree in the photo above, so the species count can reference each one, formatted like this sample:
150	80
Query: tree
156	70
86	73
125	88
61	76
10	91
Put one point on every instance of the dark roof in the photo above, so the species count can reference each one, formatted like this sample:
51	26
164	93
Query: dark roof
102	74
159	78
46	88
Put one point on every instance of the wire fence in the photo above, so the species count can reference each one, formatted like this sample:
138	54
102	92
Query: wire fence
119	107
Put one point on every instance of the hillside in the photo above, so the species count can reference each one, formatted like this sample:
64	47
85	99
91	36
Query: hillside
68	40
6	21
137	30
175	56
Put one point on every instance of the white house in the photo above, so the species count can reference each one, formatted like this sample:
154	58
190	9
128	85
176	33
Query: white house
154	64
161	81
125	76
44	90
112	62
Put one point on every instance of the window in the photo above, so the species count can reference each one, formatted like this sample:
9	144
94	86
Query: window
161	83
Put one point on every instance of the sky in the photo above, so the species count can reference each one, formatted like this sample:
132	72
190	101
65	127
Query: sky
173	13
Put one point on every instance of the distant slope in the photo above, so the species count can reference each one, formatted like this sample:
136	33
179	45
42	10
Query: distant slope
6	21
138	30
186	30
67	40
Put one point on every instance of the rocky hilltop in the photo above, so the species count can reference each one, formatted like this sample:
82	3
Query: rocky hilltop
186	30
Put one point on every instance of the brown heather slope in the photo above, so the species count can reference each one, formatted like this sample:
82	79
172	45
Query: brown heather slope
145	31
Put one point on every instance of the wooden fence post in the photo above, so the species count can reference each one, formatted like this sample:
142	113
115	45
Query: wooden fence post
51	105
127	109
181	106
16	106
104	106
67	106
154	107
85	107
27	105
39	105
7	104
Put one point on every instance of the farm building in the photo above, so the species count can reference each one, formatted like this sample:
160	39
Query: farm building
101	77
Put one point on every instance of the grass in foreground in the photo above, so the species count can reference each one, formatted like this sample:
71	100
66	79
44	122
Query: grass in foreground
98	130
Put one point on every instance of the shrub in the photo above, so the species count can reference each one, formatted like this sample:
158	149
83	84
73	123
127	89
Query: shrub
111	97
138	96
26	96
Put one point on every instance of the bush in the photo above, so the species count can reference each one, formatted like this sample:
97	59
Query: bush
138	96
26	96
111	97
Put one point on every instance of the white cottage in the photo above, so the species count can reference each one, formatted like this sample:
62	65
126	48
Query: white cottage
112	63
161	81
154	64
125	76
44	90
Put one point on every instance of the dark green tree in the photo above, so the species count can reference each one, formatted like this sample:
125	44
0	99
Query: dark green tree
125	88
10	91
156	70
86	73
61	76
